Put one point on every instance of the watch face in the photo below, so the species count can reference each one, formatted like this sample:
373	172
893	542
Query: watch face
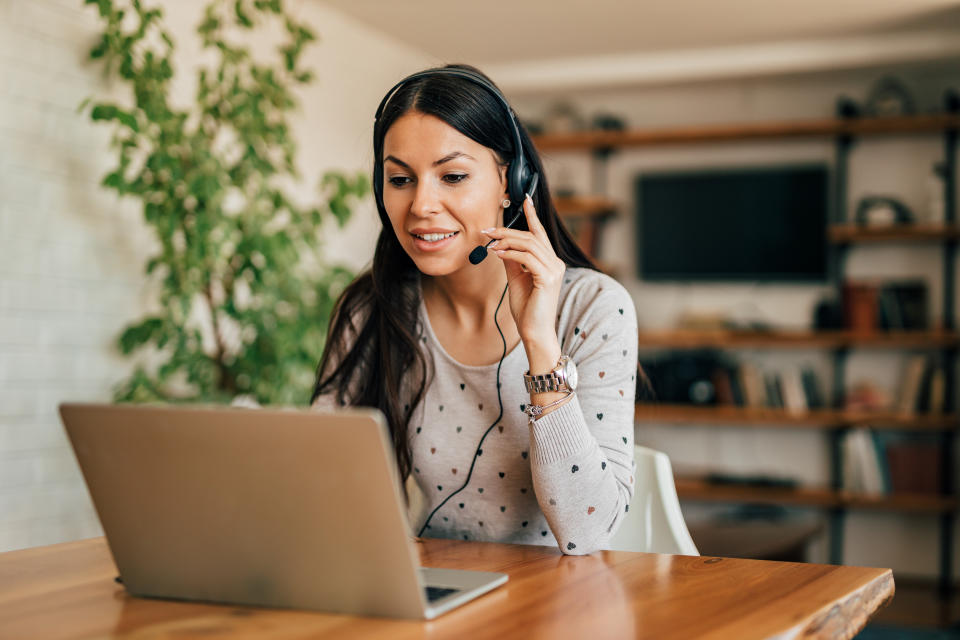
570	372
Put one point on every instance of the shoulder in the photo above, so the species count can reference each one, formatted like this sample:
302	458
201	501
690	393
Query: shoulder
592	308
585	289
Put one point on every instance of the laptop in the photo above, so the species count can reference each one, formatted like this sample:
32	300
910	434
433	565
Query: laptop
291	508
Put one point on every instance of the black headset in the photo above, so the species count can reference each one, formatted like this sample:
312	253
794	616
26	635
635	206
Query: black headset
521	178
521	181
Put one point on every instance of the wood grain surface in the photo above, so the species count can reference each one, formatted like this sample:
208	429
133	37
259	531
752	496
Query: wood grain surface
68	591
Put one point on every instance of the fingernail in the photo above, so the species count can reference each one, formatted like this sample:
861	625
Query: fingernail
487	230
494	243
528	198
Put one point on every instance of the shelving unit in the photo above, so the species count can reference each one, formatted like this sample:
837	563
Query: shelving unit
842	237
585	217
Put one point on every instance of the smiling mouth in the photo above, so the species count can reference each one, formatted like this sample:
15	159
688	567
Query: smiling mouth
435	237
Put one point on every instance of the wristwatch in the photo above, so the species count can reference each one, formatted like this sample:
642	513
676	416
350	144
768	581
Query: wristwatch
562	378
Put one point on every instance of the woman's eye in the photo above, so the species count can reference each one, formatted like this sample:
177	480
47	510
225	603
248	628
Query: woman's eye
398	181
455	178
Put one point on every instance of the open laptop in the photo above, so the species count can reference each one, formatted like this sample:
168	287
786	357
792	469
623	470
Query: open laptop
273	507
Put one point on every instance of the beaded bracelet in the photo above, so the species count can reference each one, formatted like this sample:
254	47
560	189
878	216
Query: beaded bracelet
536	410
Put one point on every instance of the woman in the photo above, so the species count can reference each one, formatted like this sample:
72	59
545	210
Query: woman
424	337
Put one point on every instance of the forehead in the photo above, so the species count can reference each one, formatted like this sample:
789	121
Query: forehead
418	137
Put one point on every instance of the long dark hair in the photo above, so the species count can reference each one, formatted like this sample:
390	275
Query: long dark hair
385	356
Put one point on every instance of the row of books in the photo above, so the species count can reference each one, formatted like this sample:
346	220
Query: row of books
796	390
881	464
921	390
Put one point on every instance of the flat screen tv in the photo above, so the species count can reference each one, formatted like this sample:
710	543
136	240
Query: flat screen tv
743	224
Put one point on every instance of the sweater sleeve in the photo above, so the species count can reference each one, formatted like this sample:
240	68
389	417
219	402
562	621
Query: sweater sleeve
582	458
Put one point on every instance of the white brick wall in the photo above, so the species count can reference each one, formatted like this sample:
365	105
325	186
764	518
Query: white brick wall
72	255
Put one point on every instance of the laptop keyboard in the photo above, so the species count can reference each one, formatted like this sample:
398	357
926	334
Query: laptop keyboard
435	593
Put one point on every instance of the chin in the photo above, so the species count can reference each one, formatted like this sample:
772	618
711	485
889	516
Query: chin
439	266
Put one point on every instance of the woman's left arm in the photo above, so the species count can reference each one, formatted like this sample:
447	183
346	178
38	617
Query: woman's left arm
582	458
581	450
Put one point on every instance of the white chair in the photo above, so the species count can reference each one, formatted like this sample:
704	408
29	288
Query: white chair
654	522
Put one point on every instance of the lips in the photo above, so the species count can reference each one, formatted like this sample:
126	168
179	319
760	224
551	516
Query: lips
429	240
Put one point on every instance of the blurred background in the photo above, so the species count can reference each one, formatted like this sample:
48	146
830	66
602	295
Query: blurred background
774	183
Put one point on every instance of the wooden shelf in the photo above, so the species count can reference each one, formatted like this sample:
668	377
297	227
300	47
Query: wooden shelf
585	206
700	491
788	339
781	418
827	127
851	233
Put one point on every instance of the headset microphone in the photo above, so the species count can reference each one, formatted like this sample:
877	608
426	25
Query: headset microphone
480	252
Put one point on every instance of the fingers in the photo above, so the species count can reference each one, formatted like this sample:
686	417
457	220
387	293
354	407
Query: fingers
533	222
523	241
542	277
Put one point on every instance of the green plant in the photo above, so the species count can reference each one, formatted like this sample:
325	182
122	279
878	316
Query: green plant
246	296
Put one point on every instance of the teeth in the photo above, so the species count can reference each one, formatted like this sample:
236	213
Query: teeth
435	237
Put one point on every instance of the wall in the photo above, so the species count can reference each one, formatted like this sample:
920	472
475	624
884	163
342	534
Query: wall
72	255
895	166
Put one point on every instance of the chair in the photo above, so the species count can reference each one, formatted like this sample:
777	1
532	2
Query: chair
654	522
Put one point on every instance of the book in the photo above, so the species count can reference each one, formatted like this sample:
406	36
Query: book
910	385
794	399
722	386
938	389
879	448
753	385
923	392
860	453
811	389
772	387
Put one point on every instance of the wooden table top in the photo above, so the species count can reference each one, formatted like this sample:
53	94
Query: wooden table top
68	591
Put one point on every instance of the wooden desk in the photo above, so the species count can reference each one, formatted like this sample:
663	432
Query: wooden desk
68	591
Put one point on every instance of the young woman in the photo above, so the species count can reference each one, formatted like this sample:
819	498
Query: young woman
516	420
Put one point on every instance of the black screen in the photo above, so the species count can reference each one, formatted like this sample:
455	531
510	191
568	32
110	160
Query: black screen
758	223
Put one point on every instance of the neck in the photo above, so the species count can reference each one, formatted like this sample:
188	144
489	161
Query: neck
471	294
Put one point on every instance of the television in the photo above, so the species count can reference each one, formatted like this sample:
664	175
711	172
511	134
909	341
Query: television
764	223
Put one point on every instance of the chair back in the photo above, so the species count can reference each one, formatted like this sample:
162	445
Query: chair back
654	523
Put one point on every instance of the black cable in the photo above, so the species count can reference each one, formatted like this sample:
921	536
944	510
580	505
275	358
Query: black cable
499	416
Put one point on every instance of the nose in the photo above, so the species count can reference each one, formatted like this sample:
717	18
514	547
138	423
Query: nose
426	200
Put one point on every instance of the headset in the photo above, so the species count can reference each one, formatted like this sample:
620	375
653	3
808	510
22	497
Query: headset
522	180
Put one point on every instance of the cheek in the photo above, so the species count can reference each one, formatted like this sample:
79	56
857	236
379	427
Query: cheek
396	209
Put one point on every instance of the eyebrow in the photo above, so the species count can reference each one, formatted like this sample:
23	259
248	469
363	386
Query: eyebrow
446	158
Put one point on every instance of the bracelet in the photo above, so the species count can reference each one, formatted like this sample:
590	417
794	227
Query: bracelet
536	410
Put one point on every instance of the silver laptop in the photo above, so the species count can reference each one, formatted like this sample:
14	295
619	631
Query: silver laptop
273	507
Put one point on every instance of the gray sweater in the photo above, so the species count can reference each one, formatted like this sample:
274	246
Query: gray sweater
565	480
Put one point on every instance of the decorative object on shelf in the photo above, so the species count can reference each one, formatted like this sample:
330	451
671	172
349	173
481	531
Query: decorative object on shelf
686	377
752	480
882	211
889	97
866	396
828	314
563	117
608	122
702	320
848	108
